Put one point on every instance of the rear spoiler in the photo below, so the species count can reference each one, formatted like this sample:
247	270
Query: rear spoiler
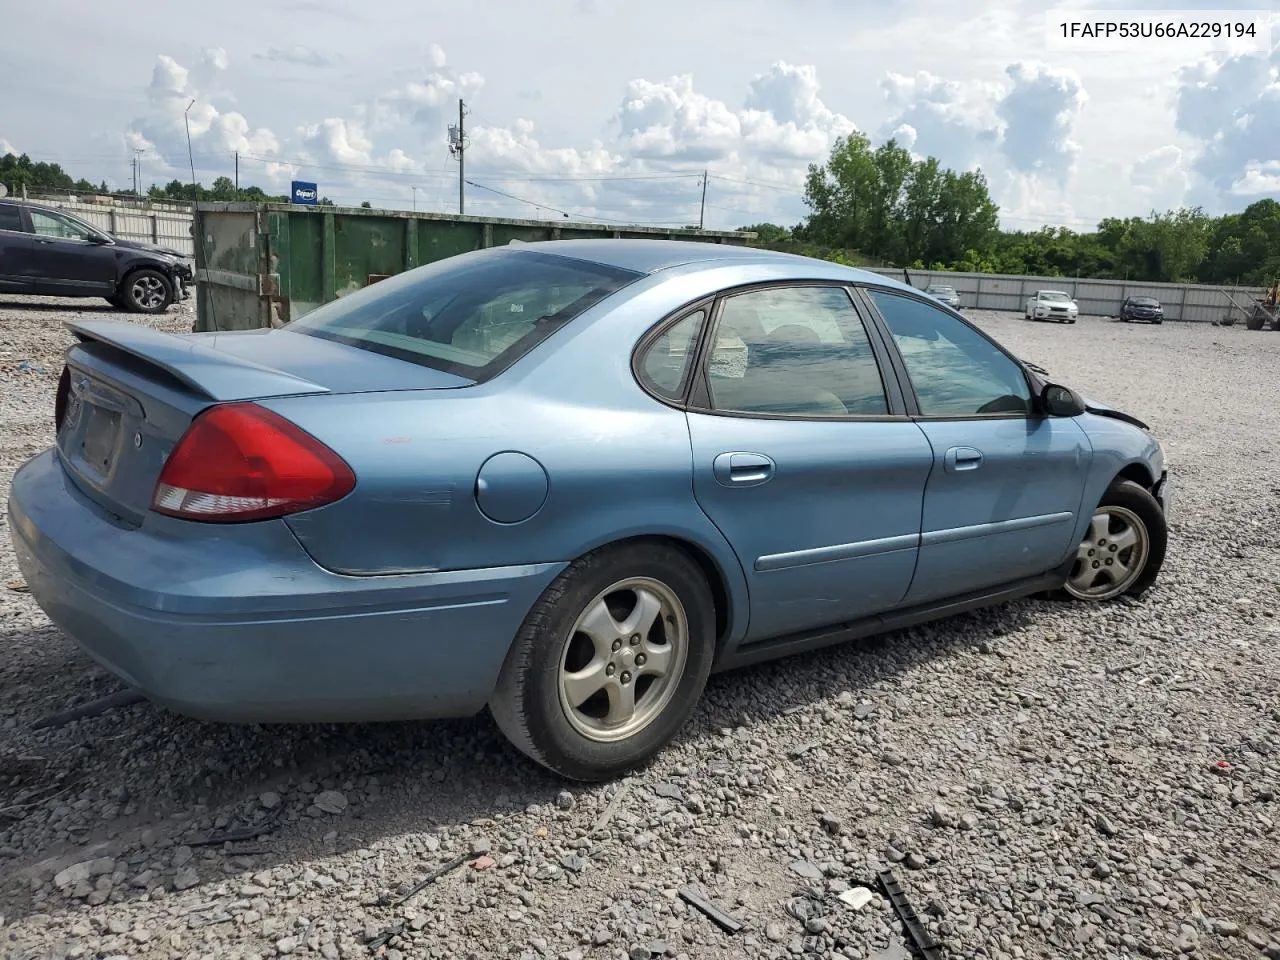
212	373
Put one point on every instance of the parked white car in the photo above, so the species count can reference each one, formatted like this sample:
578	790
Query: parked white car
1052	305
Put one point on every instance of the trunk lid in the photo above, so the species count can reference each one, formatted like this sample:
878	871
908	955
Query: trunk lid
129	392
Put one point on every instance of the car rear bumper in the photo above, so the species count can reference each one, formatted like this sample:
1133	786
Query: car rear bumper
239	624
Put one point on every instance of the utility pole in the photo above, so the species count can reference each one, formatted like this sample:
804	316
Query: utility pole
458	146
237	174
703	209
415	199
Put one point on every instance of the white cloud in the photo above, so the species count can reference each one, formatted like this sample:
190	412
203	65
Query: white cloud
955	122
6	147
1162	177
1017	120
670	120
1040	112
1260	179
1231	107
335	140
296	53
664	101
177	100
424	102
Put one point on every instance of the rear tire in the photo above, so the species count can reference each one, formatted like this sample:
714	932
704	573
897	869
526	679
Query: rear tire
146	291
587	633
1128	531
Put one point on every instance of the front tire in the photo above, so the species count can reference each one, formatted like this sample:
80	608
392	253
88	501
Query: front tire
146	291
610	662
1123	549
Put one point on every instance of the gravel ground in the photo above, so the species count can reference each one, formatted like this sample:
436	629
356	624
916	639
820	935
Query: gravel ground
1046	779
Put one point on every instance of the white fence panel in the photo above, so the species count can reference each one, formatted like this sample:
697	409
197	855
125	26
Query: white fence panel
162	224
1194	303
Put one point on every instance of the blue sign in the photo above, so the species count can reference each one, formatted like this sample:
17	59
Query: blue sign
304	192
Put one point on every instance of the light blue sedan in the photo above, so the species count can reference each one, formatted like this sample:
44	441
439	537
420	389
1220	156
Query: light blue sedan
566	480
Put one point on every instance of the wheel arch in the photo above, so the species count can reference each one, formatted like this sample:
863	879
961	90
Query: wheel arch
1139	473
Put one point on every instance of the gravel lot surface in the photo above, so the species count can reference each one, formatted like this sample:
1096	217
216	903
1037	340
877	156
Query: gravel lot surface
1046	779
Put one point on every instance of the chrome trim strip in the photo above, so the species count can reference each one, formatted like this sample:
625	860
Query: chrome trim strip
956	534
839	551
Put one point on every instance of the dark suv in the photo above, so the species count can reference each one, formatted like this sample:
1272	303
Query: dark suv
49	252
1146	309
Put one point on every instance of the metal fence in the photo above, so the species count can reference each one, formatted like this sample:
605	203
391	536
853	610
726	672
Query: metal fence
1195	303
168	226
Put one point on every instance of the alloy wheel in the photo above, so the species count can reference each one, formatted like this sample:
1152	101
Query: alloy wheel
623	659
1112	555
148	292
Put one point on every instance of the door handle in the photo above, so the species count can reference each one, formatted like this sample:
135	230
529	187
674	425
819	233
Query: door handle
742	469
962	458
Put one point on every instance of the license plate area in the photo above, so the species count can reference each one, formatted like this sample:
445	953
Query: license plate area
98	440
91	429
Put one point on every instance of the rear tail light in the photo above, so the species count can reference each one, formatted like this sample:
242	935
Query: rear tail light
240	461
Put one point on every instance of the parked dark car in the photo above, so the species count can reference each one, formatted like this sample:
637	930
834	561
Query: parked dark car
1146	309
49	252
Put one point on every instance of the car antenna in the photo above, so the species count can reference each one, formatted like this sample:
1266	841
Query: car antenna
199	238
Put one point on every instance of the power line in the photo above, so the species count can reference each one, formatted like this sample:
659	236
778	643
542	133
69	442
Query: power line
510	177
755	183
566	213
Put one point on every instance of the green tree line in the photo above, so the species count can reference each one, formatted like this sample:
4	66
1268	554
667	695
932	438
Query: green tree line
879	206
17	172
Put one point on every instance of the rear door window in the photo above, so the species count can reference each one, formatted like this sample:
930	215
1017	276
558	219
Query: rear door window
10	218
472	315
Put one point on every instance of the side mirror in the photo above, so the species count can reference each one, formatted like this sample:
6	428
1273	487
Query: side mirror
1059	401
98	238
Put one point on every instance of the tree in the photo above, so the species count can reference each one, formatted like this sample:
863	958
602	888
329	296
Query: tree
768	232
1245	247
17	172
224	188
366	204
904	211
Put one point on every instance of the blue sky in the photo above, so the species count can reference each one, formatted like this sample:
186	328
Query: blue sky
610	110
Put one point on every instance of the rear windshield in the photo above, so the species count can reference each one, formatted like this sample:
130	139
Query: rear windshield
473	315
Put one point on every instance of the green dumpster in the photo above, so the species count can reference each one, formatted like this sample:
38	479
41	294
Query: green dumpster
264	264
